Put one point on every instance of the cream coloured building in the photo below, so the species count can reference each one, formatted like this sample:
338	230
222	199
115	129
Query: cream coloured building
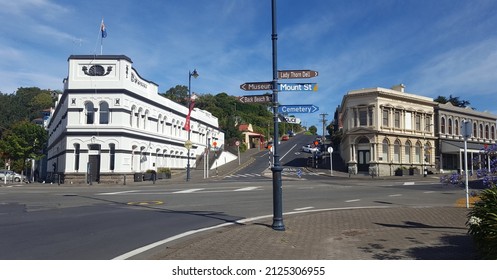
109	123
386	129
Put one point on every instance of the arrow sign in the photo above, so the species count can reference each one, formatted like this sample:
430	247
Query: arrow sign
297	74
298	87
255	98
257	86
294	109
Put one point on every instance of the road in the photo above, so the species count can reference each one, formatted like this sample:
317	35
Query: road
101	222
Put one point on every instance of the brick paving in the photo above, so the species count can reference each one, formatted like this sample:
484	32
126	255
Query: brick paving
356	234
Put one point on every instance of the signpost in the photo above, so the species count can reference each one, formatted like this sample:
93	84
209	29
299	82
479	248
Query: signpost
298	87
237	143
291	109
330	150
257	86
297	74
255	98
466	134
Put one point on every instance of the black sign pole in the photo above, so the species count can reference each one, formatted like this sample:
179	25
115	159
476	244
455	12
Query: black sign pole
276	169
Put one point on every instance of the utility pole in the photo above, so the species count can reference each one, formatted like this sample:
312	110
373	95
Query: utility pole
324	120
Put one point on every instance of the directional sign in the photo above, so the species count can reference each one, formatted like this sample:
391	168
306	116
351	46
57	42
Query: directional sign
293	109
297	74
257	86
255	98
298	87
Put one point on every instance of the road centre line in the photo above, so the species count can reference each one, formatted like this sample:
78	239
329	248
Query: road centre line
352	200
392	195
408	183
288	151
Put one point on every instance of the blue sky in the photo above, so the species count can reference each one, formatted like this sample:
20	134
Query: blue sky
434	47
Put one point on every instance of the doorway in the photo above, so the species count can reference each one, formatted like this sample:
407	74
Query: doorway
364	157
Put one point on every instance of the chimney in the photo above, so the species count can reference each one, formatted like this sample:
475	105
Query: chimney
399	87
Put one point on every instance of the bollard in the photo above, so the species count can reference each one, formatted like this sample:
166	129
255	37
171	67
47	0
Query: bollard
124	179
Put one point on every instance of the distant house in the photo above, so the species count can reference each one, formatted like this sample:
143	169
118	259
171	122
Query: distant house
251	138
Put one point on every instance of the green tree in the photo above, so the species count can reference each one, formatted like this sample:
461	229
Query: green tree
454	100
24	140
178	94
313	129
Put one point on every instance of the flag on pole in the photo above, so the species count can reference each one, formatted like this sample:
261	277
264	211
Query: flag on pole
187	122
103	29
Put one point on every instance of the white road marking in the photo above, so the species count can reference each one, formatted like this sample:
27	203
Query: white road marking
111	193
245	189
352	200
429	192
408	183
189	191
392	195
303	208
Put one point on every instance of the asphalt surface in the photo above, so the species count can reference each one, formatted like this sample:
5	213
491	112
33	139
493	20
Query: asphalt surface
376	233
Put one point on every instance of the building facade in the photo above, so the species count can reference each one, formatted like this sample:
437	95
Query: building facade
450	140
386	130
109	123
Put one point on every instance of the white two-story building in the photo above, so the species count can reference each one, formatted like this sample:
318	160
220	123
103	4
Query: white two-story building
109	123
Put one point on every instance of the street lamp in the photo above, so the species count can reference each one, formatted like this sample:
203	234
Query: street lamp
188	143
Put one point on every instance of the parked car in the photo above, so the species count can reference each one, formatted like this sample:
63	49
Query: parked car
11	176
310	149
284	138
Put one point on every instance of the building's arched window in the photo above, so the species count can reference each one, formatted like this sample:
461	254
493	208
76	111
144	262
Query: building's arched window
160	124
76	156
417	153
145	119
492	132
112	156
104	113
385	154
487	132
133	112
456	126
407	152
138	116
481	131
475	130
396	151
450	127
442	125
90	113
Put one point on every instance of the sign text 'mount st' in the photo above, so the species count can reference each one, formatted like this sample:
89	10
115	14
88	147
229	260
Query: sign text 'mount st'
257	86
297	74
298	87
255	98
